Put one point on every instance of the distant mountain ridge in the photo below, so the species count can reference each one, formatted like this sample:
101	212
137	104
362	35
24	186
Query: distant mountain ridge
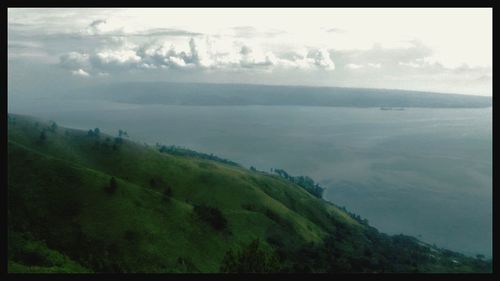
205	94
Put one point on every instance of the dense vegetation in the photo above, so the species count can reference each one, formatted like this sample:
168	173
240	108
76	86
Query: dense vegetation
303	181
253	258
88	202
181	151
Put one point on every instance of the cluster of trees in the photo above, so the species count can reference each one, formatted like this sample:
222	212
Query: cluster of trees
176	150
353	249
94	133
117	141
211	215
122	133
347	249
303	181
43	135
253	258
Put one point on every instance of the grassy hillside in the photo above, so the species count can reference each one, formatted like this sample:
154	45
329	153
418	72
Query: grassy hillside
89	202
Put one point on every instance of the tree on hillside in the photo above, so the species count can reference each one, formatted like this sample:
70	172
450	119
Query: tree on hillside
97	132
122	133
42	137
113	185
167	193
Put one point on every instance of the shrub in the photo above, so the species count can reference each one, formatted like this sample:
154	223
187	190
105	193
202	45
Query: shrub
159	183
153	183
113	185
167	193
211	215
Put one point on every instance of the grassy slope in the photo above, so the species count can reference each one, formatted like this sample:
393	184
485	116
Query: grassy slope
57	200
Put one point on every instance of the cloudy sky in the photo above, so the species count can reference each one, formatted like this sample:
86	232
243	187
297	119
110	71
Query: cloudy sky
441	50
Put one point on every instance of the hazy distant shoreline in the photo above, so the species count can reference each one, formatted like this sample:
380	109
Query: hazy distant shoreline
248	94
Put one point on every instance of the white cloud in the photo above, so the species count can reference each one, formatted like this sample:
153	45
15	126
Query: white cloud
410	64
80	72
175	61
96	27
201	53
363	66
353	66
118	57
74	60
322	59
374	65
456	35
316	46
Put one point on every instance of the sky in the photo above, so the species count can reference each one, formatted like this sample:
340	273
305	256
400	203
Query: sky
441	50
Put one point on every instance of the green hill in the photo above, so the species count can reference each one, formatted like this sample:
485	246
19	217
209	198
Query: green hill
83	201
